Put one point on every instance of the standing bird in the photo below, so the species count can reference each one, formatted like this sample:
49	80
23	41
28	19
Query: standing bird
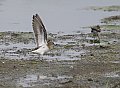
43	44
95	31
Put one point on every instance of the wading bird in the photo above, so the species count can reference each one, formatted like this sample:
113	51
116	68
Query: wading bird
43	44
95	31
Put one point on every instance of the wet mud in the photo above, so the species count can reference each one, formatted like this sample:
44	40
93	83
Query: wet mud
75	61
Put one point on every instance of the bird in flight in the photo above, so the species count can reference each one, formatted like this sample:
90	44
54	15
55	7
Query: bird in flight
43	44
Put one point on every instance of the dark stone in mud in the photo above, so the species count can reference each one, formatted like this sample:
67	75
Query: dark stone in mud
102	47
91	54
14	67
90	79
66	81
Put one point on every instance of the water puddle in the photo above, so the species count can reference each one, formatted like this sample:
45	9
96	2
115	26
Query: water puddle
112	75
66	49
115	62
36	79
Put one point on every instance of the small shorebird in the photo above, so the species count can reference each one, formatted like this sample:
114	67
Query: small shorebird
96	30
43	44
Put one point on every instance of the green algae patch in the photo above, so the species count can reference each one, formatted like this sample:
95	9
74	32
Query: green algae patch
111	19
94	41
16	37
110	27
104	8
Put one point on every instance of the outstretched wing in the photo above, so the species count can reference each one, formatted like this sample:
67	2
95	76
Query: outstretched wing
39	30
44	30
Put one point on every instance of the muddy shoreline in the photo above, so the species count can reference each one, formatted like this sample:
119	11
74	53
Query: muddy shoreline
85	66
75	62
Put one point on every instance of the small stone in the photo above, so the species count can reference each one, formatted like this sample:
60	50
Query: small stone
91	54
90	79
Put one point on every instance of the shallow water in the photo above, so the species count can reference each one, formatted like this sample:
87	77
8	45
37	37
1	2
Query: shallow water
57	15
14	51
112	75
37	79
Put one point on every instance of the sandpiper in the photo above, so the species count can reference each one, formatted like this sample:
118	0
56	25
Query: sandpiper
43	44
96	30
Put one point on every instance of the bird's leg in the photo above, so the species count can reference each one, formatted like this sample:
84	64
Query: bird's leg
38	56
42	57
99	39
94	40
